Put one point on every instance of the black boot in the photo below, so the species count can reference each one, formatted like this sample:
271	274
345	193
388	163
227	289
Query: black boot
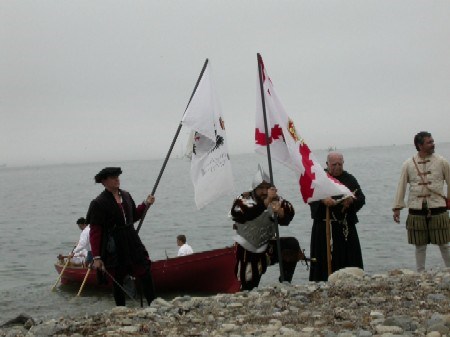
148	288
119	295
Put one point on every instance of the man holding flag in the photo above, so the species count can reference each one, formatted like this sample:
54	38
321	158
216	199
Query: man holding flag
288	148
276	135
254	213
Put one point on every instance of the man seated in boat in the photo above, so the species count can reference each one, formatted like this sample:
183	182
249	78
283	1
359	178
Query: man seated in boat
81	255
184	249
82	252
254	213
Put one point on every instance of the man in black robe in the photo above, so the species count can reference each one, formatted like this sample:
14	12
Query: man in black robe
115	243
346	249
253	213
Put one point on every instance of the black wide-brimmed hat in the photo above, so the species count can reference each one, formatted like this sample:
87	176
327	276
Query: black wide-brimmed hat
107	172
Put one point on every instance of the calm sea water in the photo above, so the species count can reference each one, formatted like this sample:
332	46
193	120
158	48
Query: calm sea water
39	207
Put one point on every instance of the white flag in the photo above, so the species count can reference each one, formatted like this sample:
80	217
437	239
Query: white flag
287	147
210	162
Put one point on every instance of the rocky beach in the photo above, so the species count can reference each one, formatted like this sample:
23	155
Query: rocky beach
352	303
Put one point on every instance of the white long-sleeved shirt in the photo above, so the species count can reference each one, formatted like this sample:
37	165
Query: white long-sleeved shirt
83	245
185	250
436	171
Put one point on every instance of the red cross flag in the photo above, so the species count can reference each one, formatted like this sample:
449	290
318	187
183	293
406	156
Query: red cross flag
287	147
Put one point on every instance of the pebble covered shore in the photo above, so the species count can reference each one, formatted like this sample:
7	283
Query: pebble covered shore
352	303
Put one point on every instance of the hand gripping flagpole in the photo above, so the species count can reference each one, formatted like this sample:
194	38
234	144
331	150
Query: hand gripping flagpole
171	147
277	232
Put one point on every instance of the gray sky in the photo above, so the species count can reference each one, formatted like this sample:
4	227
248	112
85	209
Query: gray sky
109	80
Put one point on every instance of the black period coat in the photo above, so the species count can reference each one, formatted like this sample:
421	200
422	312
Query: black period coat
113	235
346	249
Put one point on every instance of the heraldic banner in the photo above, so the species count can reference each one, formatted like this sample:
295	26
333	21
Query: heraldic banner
211	172
288	148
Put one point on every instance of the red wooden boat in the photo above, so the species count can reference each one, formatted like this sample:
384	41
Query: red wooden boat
208	272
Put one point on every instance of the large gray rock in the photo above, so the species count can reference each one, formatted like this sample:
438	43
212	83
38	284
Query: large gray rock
346	275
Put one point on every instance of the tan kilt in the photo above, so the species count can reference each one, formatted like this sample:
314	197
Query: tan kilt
423	230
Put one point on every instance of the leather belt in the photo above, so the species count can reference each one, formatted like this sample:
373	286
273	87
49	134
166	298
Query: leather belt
433	211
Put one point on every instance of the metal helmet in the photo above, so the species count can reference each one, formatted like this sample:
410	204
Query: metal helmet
260	177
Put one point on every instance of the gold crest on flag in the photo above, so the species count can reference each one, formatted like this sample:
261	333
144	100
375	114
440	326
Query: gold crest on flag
292	131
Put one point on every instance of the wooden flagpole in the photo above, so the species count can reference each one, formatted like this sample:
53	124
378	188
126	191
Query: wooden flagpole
328	236
171	147
269	159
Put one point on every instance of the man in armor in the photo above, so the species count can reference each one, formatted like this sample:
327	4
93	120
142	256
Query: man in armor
254	213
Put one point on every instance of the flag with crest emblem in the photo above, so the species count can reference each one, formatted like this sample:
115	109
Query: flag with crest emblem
211	172
287	147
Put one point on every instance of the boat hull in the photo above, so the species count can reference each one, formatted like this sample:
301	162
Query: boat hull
207	272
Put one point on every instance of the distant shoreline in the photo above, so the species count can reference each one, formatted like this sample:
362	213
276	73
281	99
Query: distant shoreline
119	162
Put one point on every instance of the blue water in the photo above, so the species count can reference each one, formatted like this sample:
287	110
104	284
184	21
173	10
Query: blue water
39	206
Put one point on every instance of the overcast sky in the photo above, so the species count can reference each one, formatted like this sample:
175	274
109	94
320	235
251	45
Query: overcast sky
109	80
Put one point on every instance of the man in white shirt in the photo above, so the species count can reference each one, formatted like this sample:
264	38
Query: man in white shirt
184	249
428	219
82	252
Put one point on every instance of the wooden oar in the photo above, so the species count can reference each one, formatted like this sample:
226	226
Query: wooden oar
64	268
328	235
60	274
84	281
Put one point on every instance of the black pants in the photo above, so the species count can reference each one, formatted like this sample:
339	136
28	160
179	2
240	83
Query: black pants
146	282
258	262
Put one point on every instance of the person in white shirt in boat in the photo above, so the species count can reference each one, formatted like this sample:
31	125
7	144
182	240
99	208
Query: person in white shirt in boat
184	249
82	252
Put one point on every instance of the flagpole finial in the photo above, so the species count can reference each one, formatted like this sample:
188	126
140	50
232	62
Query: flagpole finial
259	57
